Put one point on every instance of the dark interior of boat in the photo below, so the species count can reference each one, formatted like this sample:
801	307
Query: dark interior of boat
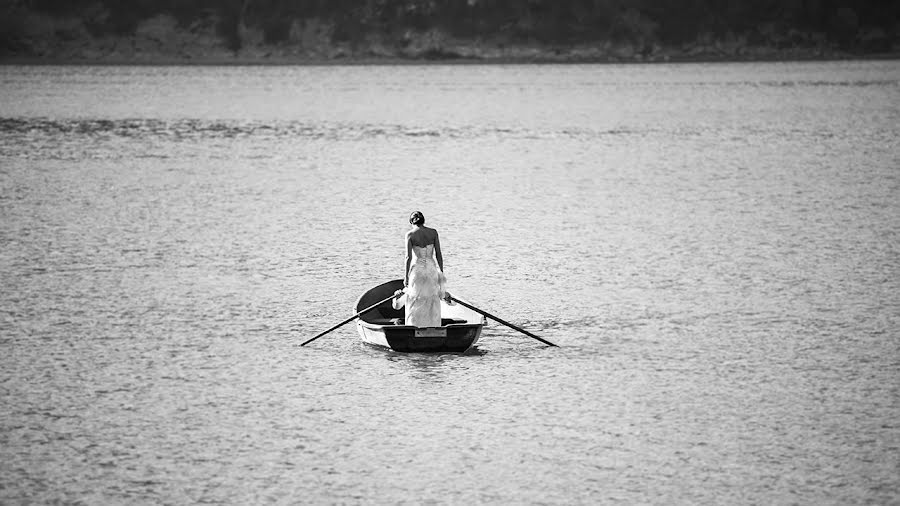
384	314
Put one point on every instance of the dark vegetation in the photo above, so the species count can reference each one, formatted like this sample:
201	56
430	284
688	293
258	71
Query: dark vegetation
858	26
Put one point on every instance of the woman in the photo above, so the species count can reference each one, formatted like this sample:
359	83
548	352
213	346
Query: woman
424	280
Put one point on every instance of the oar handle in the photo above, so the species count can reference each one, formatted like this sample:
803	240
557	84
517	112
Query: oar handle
348	320
504	322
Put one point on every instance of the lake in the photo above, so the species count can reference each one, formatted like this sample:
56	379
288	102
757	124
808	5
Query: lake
714	247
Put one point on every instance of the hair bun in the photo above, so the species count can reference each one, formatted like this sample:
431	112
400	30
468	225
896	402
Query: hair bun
417	218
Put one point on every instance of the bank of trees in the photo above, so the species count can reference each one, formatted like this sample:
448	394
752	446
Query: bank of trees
870	25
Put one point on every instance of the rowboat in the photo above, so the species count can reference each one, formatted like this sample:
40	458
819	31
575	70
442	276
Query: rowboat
383	326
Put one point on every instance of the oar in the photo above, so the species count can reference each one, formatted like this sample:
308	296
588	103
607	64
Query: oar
348	320
510	325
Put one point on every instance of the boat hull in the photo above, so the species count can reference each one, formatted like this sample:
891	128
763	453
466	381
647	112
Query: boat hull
460	329
456	338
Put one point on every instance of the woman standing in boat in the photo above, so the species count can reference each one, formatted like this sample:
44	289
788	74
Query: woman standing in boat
424	280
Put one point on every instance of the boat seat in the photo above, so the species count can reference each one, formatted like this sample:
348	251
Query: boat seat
399	321
385	321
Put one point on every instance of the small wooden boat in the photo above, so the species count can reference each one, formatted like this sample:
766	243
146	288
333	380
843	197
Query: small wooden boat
383	326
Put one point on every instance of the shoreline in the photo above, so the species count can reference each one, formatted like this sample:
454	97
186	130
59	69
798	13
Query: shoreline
249	61
215	37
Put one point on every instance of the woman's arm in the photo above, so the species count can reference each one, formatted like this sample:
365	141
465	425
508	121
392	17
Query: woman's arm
408	259
437	251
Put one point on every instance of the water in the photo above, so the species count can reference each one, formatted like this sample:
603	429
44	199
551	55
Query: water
714	248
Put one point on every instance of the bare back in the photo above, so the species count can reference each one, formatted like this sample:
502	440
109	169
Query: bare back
422	236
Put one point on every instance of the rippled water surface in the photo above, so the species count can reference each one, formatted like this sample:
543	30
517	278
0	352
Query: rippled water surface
714	248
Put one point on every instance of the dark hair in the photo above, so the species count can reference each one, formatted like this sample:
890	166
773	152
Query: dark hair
417	218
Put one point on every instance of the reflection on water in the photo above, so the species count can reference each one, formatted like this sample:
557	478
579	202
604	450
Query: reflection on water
713	247
433	367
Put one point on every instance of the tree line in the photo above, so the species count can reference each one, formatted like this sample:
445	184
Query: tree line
870	25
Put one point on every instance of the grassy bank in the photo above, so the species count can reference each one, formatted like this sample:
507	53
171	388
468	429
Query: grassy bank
36	38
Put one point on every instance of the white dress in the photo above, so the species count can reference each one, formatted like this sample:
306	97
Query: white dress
426	289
